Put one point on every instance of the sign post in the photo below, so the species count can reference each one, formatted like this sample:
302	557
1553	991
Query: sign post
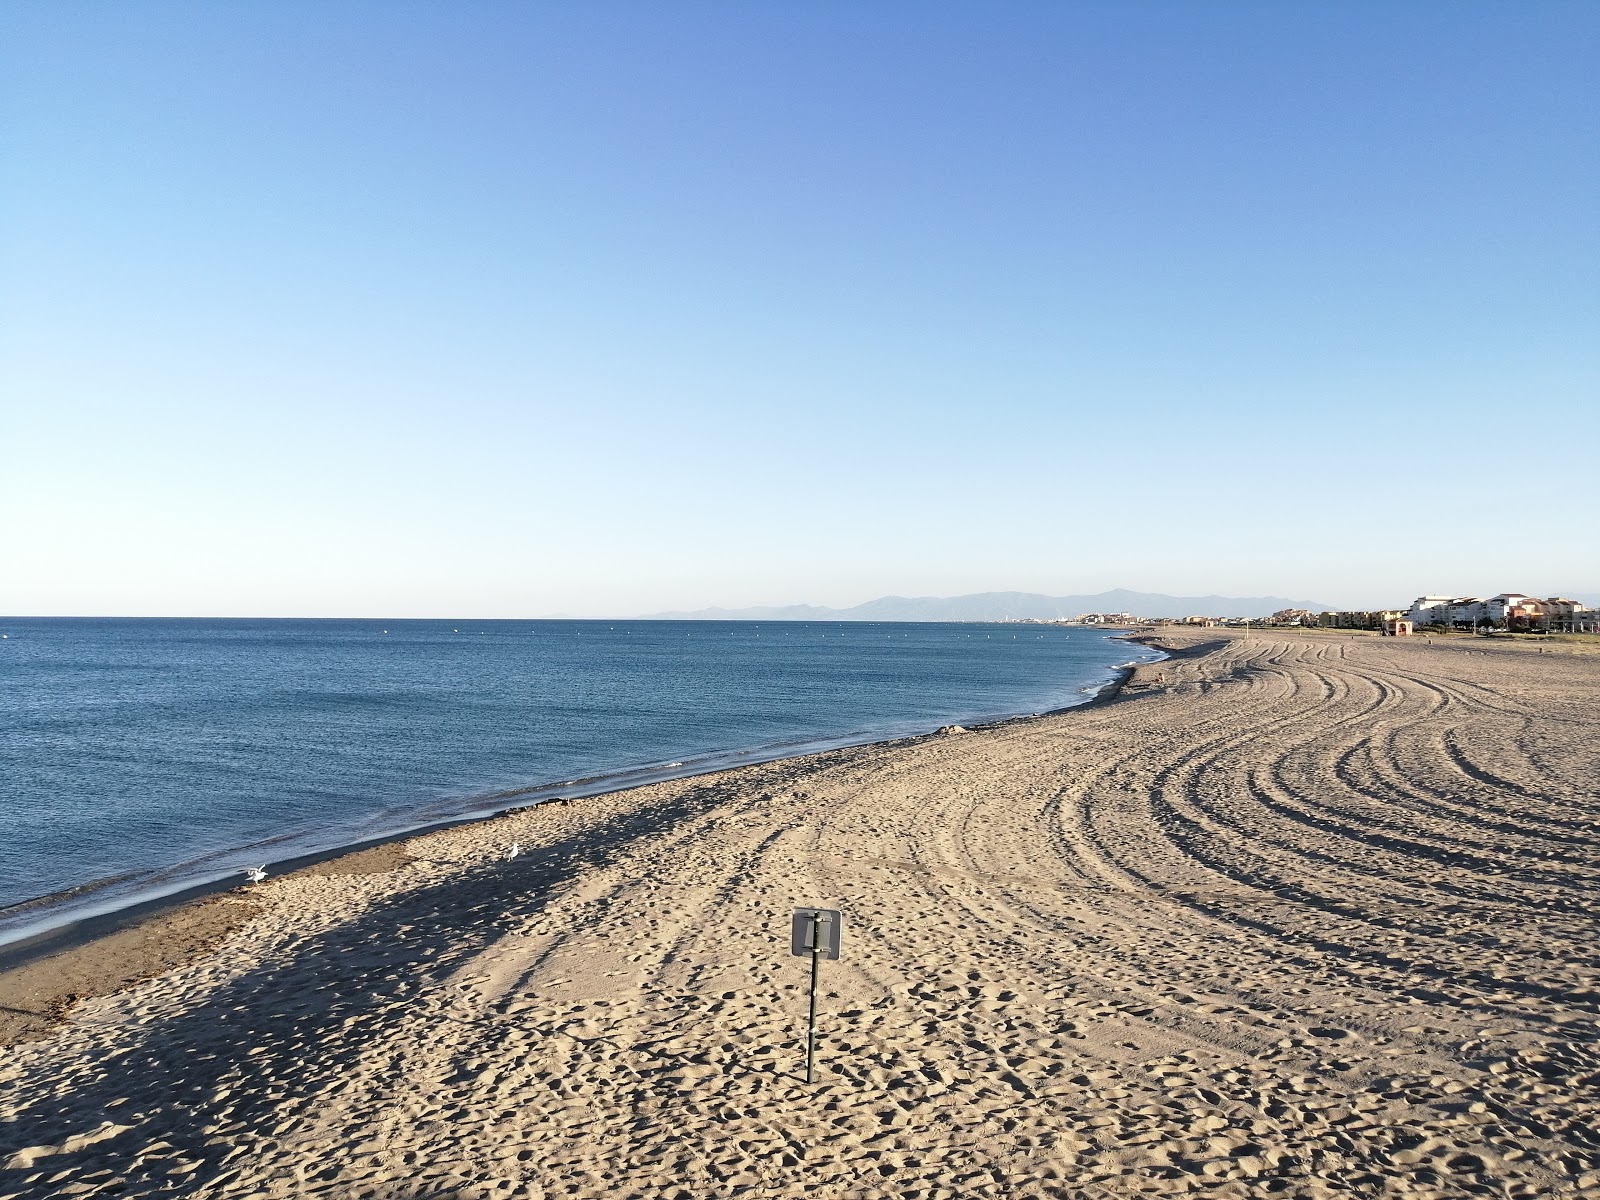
814	932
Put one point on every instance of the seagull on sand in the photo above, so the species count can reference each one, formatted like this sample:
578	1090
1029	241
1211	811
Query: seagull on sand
516	849
256	874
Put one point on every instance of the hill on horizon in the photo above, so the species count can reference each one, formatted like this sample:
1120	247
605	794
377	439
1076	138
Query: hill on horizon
1004	606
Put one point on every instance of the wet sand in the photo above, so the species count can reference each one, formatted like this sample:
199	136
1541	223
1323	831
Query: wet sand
1310	915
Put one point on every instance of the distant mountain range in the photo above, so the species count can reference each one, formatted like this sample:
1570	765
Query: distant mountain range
1003	606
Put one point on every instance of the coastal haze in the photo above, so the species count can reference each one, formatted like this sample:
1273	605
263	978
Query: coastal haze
1009	606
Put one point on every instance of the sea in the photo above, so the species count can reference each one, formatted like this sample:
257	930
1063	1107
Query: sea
140	757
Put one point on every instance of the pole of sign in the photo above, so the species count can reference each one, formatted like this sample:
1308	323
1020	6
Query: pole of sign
811	1018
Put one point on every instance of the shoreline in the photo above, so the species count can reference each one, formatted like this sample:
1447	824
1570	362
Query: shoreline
74	934
317	798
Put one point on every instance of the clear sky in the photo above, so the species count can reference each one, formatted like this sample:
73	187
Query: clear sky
478	309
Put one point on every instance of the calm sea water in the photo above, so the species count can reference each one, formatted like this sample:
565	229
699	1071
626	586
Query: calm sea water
158	753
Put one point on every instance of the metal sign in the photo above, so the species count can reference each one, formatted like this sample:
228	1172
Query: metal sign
816	931
814	934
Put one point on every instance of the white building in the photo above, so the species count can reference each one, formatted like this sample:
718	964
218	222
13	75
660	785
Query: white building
1429	610
1466	611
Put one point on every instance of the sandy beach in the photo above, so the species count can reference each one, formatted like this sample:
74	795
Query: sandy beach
1303	915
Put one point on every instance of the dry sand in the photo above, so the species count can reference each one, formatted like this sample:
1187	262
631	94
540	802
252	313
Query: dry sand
1304	916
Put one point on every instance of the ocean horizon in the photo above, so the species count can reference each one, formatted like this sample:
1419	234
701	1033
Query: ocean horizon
143	756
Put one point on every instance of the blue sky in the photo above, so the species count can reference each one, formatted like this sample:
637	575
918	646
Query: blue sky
514	309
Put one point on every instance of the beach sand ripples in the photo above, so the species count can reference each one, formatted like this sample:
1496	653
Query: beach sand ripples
1307	916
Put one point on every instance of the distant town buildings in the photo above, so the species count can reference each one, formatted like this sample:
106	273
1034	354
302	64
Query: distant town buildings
1509	610
1430	610
1358	618
1568	616
1516	612
1107	619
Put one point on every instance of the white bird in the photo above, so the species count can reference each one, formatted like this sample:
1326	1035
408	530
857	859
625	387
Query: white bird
256	874
516	849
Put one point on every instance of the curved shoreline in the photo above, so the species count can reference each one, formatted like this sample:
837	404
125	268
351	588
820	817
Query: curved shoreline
280	742
31	943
